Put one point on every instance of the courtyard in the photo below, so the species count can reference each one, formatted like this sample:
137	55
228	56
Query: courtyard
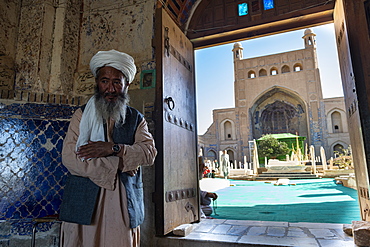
304	200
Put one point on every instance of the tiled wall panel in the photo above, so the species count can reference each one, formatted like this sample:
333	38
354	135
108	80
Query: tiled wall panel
31	172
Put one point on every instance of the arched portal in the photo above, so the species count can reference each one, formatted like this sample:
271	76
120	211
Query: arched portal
279	117
211	155
279	110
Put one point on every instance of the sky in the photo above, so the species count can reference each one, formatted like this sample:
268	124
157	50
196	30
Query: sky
214	68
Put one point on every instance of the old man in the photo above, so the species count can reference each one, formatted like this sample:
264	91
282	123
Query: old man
107	142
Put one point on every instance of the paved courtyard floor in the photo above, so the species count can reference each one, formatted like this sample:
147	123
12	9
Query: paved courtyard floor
227	233
255	213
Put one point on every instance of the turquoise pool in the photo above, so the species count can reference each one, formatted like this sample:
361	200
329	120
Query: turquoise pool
311	200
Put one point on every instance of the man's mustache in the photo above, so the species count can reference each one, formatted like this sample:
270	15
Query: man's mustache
111	94
121	96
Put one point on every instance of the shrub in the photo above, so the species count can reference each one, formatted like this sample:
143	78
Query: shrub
270	147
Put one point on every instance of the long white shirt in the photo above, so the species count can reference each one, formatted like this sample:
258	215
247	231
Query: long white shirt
110	227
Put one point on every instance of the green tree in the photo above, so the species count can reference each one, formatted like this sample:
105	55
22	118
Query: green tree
270	147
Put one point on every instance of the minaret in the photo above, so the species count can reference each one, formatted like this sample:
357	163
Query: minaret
238	51
309	38
238	57
310	43
316	108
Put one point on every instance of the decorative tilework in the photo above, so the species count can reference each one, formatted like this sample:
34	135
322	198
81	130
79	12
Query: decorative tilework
31	172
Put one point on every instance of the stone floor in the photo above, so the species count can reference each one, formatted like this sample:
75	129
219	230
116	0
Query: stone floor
218	232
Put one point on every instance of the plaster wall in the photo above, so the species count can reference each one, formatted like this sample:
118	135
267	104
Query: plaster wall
122	25
34	45
9	11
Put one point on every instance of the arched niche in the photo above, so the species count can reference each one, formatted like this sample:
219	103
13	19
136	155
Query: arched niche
251	74
227	130
274	71
262	72
336	121
297	67
285	69
337	126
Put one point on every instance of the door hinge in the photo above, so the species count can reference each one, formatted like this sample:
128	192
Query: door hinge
166	42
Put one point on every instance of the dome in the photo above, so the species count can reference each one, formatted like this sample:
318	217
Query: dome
308	31
238	45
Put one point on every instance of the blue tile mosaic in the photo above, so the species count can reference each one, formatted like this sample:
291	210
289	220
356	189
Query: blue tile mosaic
31	173
185	15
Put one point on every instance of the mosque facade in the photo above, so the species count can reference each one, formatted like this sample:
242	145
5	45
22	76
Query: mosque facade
279	93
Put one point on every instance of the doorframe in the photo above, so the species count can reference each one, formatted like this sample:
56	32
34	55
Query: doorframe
268	29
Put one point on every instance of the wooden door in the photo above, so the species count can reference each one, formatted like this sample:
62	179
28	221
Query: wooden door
176	194
351	91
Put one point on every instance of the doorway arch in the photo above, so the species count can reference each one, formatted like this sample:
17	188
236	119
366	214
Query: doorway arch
205	28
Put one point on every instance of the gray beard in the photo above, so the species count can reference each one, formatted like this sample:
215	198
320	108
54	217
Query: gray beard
114	110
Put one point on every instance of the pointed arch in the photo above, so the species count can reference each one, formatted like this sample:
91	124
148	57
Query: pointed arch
251	74
297	67
262	72
227	130
211	155
270	114
274	71
285	69
337	146
337	126
336	123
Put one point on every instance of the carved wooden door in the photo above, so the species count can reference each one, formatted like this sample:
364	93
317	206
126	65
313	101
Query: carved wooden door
176	193
352	106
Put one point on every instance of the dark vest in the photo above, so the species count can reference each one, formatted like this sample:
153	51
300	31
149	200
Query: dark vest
125	134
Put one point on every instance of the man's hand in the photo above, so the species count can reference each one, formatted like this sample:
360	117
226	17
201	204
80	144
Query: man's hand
212	195
132	173
95	150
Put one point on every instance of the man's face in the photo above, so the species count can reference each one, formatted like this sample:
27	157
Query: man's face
111	83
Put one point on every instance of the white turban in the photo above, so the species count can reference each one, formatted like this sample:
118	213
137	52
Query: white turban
118	60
